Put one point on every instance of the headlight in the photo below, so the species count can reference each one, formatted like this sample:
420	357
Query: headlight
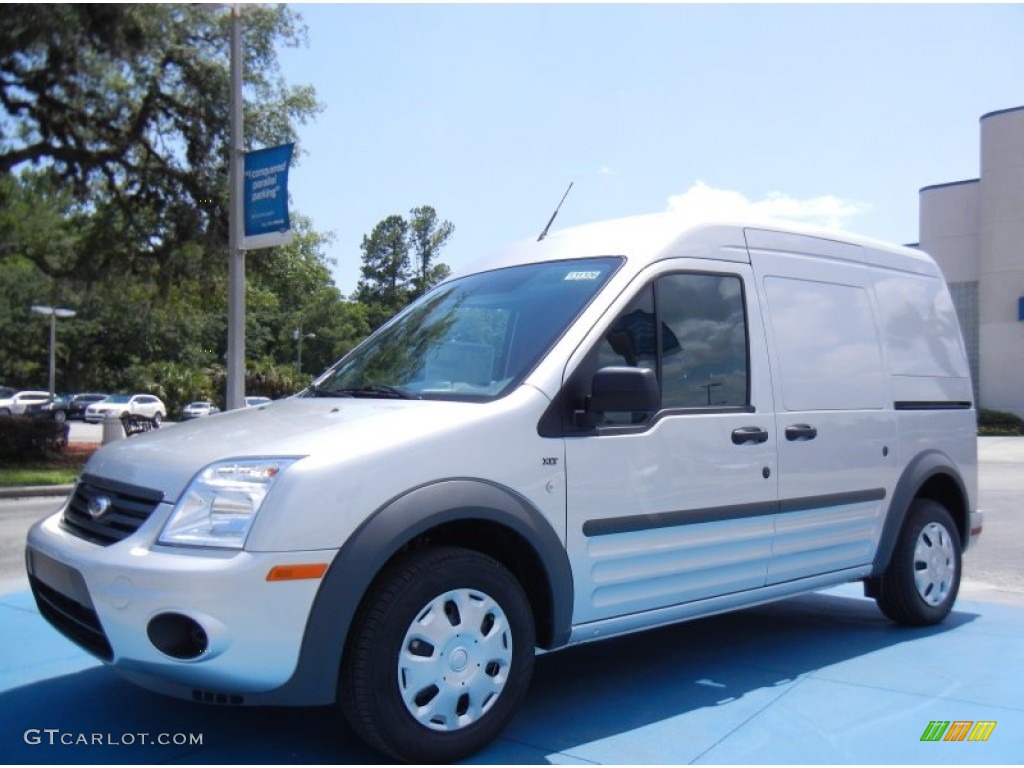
220	504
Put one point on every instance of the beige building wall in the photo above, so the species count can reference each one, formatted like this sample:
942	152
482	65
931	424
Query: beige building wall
975	231
1001	263
949	233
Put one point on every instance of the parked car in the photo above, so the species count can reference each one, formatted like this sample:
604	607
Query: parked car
148	406
53	408
16	403
252	402
198	409
81	401
621	426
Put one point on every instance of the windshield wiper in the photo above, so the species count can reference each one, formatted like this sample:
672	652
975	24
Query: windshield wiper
375	390
318	391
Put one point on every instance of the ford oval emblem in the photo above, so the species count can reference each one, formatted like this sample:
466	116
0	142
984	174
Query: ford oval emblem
98	507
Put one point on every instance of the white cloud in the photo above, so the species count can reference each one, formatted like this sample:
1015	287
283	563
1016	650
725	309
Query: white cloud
604	170
703	201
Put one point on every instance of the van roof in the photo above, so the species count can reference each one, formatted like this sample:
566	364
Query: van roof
649	238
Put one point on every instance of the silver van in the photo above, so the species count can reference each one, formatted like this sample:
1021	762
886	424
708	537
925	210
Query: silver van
621	426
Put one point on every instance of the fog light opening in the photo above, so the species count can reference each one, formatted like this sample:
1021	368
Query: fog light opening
178	636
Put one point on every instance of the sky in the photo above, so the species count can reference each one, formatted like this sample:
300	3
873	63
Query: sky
834	115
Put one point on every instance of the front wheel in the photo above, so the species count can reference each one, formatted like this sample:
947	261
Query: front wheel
440	656
921	583
158	419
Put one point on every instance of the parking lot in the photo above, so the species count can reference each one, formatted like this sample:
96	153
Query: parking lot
822	678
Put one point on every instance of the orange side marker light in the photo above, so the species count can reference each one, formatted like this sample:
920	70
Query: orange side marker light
295	572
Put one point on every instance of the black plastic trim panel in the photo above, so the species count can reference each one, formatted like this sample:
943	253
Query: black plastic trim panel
632	523
932	405
77	622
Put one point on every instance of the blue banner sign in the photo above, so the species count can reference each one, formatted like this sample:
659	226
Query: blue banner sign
266	197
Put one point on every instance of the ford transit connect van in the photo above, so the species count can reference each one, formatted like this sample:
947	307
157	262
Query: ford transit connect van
621	426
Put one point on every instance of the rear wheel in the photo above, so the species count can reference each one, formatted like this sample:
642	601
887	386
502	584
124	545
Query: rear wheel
440	657
157	419
921	583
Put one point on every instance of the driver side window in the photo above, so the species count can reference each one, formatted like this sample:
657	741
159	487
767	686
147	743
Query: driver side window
631	341
690	328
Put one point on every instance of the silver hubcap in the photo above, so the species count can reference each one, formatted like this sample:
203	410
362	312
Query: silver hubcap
455	660
934	564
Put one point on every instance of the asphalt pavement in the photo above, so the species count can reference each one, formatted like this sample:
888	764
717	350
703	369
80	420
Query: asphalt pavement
822	678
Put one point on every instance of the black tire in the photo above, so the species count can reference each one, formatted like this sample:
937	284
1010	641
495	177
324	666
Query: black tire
482	610
923	578
158	419
60	417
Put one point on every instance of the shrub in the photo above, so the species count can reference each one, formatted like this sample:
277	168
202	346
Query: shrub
24	440
999	423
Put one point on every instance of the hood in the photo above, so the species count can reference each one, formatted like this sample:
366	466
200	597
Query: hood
167	459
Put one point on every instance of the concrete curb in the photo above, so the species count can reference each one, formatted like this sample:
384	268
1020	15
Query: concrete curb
26	491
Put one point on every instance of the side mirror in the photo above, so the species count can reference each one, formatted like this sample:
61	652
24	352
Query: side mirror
621	388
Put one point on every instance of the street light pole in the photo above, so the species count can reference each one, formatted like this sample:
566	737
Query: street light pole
54	313
236	264
298	336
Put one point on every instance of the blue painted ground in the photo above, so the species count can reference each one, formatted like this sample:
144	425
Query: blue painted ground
818	679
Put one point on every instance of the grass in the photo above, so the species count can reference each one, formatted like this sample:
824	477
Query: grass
60	470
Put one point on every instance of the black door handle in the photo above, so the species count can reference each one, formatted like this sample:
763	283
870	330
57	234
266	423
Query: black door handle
801	432
749	435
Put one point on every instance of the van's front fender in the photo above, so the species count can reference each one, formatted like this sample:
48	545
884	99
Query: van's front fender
387	532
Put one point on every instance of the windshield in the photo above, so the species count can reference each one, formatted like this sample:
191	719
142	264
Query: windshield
470	339
118	399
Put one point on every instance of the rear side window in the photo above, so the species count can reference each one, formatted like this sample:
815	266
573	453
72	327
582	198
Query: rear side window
827	344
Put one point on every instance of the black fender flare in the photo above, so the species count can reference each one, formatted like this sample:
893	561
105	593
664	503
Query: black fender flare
384	534
918	471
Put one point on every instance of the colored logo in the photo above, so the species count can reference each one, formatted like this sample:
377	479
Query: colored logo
958	730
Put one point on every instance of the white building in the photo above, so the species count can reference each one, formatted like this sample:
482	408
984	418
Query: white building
975	231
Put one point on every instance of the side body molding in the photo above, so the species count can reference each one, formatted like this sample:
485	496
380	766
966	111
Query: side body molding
936	473
384	534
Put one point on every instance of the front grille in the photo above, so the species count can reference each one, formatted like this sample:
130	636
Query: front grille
126	508
77	622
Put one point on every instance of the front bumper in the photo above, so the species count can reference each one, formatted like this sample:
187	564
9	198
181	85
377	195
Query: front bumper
105	598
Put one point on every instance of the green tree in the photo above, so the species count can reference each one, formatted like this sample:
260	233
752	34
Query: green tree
114	135
390	278
291	288
427	237
384	285
124	110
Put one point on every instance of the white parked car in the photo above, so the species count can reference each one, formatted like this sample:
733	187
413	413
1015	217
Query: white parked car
617	427
198	409
15	403
148	406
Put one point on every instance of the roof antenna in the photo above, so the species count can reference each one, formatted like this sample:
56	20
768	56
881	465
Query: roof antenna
552	219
